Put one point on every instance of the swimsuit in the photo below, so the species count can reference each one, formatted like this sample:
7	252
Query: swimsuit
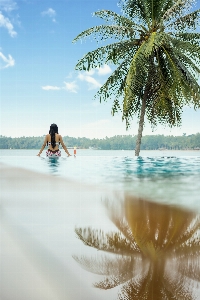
53	153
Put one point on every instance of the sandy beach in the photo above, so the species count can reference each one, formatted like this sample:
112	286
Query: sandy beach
38	217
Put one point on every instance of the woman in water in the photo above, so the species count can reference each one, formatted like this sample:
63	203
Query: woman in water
53	140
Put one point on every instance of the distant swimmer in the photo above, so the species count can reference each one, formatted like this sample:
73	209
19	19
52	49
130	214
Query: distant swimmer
53	140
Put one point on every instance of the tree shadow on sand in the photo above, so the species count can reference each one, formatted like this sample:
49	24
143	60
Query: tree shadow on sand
154	252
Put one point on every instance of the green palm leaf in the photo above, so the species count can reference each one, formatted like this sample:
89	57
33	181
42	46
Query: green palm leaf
188	20
107	32
110	87
157	59
119	20
191	37
177	9
109	53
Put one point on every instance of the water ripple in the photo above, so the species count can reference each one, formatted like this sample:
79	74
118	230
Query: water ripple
170	179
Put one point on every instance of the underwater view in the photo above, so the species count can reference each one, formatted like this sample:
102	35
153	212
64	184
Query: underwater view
102	225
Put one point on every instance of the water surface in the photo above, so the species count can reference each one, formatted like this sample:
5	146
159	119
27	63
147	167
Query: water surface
166	176
40	214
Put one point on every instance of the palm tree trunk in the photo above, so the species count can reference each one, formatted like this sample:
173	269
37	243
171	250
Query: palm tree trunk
140	128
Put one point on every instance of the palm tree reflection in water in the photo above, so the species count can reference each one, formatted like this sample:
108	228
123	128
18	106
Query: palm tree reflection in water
155	251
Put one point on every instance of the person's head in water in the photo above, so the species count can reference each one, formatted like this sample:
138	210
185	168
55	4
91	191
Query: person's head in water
53	129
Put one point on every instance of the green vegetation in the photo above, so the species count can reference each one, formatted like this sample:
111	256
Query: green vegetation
120	142
157	58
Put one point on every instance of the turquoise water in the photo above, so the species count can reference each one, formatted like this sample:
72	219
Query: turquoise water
166	176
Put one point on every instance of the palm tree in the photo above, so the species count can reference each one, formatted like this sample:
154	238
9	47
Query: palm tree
157	58
154	254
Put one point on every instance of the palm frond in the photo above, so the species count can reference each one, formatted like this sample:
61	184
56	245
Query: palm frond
135	82
113	281
124	228
177	9
189	250
179	288
114	18
108	283
138	9
189	268
139	63
109	53
104	32
166	110
113	242
118	266
130	290
189	89
191	66
190	21
140	288
121	273
144	219
157	8
179	85
143	56
116	107
191	50
190	236
115	83
191	37
101	266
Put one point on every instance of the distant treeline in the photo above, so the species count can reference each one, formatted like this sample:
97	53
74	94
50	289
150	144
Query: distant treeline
119	142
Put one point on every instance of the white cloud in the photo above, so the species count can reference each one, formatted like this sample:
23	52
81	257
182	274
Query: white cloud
7	61
51	88
91	72
71	86
5	22
104	70
92	83
50	12
8	5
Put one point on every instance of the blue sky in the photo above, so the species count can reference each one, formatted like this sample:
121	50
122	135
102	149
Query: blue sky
38	81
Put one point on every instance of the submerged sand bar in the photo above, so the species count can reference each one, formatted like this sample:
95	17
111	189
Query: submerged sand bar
38	216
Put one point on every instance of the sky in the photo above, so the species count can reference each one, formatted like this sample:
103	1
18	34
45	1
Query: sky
38	81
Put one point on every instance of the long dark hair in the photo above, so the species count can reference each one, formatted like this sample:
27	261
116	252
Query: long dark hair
53	129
